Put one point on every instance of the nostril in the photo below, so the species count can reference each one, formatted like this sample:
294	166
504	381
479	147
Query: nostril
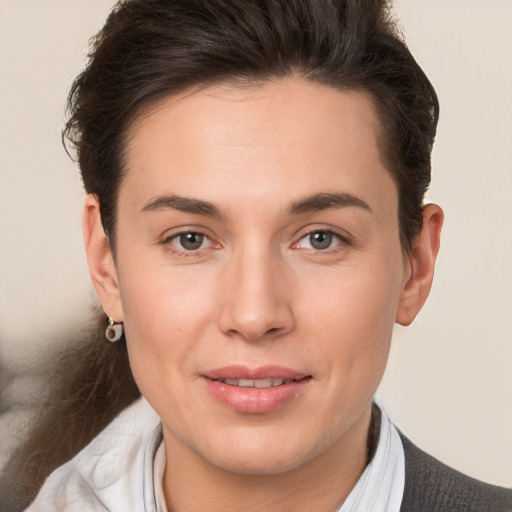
256	335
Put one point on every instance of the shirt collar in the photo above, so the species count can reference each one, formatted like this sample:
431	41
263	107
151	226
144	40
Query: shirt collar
380	487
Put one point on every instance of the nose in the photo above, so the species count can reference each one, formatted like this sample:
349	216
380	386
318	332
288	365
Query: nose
256	302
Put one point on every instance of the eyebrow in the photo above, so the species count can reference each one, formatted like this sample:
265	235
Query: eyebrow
183	204
326	201
313	203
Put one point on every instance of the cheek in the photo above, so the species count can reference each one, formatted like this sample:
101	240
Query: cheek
353	310
164	314
163	300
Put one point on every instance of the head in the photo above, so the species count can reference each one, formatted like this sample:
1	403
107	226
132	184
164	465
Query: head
258	169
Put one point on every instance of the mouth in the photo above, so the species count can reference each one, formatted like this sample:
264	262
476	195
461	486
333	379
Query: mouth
256	383
258	390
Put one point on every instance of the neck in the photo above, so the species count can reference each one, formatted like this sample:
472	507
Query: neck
322	483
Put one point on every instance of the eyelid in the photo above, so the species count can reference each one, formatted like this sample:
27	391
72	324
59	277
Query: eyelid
175	231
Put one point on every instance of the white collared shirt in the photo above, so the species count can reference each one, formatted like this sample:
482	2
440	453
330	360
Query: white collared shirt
122	470
380	487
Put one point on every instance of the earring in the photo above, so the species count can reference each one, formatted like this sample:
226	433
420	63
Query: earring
114	331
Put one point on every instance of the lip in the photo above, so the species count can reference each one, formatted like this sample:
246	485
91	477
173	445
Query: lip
255	400
261	372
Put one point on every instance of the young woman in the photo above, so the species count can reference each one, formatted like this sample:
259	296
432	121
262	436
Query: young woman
254	228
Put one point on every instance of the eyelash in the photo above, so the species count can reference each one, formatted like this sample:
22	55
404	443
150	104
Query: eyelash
186	253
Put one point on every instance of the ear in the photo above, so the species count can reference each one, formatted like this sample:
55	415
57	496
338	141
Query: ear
100	260
422	259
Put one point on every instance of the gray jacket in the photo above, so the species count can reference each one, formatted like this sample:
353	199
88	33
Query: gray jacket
431	486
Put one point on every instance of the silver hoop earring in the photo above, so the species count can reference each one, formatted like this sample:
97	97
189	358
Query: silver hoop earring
114	331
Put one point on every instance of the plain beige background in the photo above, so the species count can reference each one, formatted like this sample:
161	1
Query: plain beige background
449	380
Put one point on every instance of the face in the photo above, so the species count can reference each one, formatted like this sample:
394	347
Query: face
259	271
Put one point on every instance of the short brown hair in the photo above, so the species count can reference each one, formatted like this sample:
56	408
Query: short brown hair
150	49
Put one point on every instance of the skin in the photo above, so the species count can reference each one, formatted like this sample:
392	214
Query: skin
257	292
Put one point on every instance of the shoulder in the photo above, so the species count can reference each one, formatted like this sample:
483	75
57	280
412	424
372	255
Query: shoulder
432	486
104	475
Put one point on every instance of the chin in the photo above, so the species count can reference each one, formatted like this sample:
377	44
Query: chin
266	463
261	455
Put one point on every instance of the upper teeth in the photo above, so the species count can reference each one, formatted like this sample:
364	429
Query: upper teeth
259	383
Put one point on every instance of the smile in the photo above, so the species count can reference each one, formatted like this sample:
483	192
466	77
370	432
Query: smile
255	383
256	390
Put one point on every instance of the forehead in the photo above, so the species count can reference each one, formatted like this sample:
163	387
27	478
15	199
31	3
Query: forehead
279	140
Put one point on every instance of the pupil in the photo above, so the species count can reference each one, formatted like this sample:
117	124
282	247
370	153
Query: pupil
320	240
191	241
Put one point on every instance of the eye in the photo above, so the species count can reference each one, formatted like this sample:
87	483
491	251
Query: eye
319	240
189	241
